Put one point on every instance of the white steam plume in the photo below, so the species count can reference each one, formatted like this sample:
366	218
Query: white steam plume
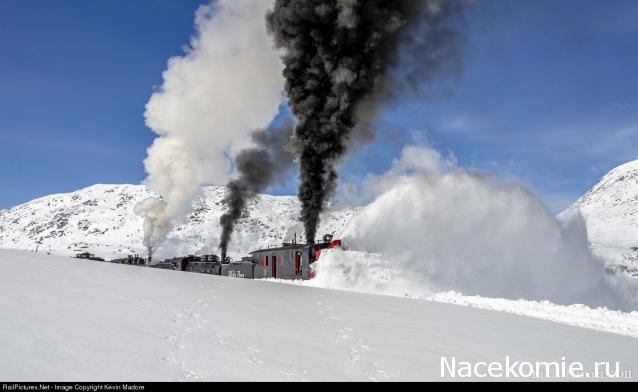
440	228
228	83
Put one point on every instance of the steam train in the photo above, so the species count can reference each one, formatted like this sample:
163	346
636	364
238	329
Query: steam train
291	261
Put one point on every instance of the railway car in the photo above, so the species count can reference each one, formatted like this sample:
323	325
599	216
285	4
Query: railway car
290	261
208	264
244	269
88	256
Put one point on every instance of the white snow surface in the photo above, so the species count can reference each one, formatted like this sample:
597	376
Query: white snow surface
65	319
600	319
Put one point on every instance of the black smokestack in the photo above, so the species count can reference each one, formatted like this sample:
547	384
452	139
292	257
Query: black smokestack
342	58
259	167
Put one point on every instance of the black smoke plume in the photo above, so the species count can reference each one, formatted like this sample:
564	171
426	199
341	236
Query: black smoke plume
259	167
342	59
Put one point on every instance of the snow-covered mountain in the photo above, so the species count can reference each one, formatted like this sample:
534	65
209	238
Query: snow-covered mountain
610	210
101	219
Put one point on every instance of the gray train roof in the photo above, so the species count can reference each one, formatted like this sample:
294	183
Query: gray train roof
285	247
291	247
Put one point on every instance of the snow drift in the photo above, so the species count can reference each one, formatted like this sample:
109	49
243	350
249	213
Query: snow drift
441	228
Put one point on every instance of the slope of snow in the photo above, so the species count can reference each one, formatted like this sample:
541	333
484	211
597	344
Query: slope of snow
71	320
600	319
101	219
610	209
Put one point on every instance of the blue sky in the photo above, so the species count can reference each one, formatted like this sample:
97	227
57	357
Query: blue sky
548	95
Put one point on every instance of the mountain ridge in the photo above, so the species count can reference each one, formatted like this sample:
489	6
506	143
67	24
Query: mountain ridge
101	219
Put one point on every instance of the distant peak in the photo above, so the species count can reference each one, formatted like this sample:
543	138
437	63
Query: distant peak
617	188
625	167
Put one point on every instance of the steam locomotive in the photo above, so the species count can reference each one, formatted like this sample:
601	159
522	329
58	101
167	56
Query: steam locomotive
291	261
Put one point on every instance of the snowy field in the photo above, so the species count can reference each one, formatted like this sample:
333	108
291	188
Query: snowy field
64	319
